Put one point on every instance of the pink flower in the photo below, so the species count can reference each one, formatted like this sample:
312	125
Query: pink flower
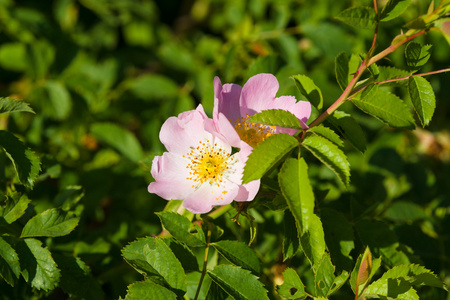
199	166
258	94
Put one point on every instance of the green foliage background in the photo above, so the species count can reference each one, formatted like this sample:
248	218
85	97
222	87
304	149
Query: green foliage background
102	77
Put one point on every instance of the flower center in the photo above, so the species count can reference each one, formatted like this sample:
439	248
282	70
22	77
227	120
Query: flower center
252	133
208	163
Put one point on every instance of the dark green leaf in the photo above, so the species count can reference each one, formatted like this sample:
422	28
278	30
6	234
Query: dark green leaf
69	197
308	89
15	207
324	276
417	55
292	287
422	98
276	117
38	267
26	163
238	283
148	290
183	253
239	254
8	105
51	222
393	9
361	17
215	292
329	154
267	154
349	128
291	242
9	263
327	133
404	211
180	228
134	255
345	68
388	108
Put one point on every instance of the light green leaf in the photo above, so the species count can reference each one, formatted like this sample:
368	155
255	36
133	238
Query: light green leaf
180	228
60	100
388	73
38	267
120	139
291	242
51	222
8	105
307	88
148	290
313	241
9	263
327	133
16	205
349	128
267	154
264	64
153	87
238	283
183	253
345	68
276	117
417	55
25	161
388	108
239	254
422	98
363	271
329	154
391	288
12	56
414	274
324	276
162	259
393	9
134	256
338	282
361	17
292	287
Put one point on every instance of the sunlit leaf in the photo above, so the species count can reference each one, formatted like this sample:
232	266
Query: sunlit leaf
180	228
276	117
9	263
414	274
417	55
148	290
393	9
422	98
15	207
391	289
327	133
51	222
239	254
324	276
292	287
308	88
8	105
361	17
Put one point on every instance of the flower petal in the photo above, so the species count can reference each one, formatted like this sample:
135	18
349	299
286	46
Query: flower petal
226	100
257	93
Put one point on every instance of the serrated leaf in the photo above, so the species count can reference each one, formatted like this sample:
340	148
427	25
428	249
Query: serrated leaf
134	255
338	282
267	154
345	68
328	134
26	163
180	228
148	290
417	55
51	222
308	88
38	267
363	271
9	263
238	283
119	138
393	9
15	207
239	254
313	241
8	105
414	274
324	276
292	287
329	154
361	17
391	288
162	259
291	242
276	117
388	73
422	98
349	128
215	292
388	108
183	253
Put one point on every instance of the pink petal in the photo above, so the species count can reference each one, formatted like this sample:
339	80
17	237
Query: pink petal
248	191
257	93
226	100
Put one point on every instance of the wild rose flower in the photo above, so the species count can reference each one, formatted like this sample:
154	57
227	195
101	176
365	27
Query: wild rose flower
199	166
258	94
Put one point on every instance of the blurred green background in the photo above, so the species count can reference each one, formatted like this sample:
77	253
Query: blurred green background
103	76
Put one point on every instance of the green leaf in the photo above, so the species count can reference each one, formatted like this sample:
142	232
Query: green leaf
180	228
267	154
60	100
26	163
307	88
405	211
338	282
38	267
388	108
153	87
422	98
361	17
327	133
9	263
238	283
313	241
291	242
391	288
8	105
264	64
162	259
16	205
51	222
329	154
276	117
345	68
393	9
363	272
388	73
148	290
120	139
134	256
417	55
183	253
349	128
324	276
414	274
239	254
69	197
292	287
215	292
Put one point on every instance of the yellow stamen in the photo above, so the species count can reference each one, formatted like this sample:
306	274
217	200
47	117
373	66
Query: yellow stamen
252	133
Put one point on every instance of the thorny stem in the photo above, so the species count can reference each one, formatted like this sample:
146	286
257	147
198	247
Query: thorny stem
205	262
